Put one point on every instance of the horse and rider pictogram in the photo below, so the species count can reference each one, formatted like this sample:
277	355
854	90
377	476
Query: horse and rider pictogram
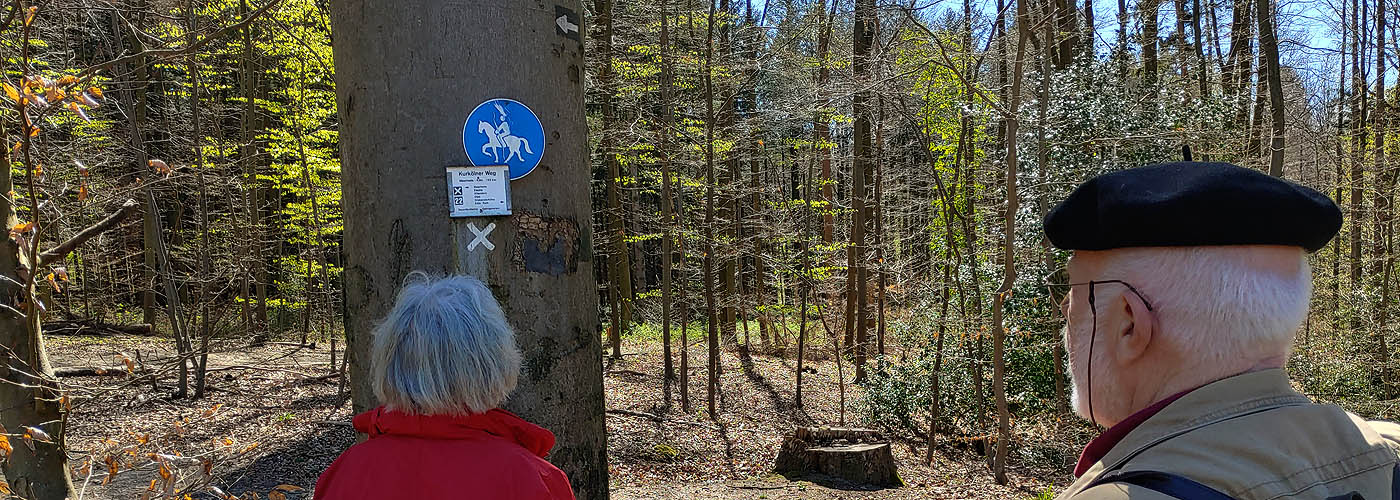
504	132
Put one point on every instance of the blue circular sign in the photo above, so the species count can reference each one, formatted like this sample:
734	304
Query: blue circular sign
504	132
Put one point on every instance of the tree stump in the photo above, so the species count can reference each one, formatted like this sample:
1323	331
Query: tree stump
856	455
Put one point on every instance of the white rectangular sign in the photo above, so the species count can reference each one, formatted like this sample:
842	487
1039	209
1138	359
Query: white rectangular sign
478	191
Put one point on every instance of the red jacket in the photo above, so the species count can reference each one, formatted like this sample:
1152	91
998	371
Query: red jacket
489	455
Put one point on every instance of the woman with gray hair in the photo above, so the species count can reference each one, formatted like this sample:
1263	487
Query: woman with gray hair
443	360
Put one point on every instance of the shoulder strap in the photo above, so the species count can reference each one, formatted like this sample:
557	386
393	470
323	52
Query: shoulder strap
1167	484
1395	485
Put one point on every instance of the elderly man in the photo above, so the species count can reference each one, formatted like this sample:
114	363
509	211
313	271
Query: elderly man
1187	284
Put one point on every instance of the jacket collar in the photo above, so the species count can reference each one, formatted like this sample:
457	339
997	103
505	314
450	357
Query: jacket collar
500	423
1100	446
1220	400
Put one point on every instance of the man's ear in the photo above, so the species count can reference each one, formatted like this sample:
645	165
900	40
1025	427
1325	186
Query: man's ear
1132	343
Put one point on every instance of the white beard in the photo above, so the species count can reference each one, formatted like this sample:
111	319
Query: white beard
1077	400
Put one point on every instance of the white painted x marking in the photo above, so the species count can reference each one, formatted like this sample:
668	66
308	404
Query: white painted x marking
480	238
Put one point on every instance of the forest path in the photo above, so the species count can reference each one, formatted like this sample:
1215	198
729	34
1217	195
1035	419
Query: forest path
276	396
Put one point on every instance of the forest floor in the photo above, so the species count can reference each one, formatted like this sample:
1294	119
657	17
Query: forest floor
278	421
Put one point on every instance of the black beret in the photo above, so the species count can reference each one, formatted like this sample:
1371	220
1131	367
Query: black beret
1191	204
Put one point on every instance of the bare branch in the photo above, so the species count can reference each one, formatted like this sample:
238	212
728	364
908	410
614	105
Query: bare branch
166	54
57	253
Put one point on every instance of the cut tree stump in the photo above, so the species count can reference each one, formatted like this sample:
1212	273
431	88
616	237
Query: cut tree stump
857	455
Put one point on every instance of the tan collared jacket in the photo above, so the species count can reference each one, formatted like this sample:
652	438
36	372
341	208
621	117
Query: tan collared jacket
1253	437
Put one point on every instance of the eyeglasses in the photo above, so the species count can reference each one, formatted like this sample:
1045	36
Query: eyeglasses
1094	327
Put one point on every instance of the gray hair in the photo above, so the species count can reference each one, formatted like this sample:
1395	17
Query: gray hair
445	349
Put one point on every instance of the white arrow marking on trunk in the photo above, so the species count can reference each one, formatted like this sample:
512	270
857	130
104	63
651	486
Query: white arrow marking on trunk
565	25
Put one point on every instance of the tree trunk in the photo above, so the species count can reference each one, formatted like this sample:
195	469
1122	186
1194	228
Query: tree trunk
1009	248
668	220
1385	188
396	218
712	318
1269	43
28	395
1238	67
1358	119
1042	205
1200	49
1149	10
861	163
821	125
619	269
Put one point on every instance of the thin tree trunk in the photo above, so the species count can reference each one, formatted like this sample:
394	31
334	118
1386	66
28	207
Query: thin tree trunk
821	125
1009	247
712	318
861	163
667	205
1149	10
620	271
202	362
1386	181
1269	44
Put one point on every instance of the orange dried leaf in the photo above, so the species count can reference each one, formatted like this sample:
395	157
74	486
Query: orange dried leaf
67	403
5	448
68	80
112	468
228	441
22	227
276	495
78	110
29	18
55	94
4	487
62	272
33	131
248	448
210	412
82	192
53	281
88	100
164	471
11	92
96	92
15	148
